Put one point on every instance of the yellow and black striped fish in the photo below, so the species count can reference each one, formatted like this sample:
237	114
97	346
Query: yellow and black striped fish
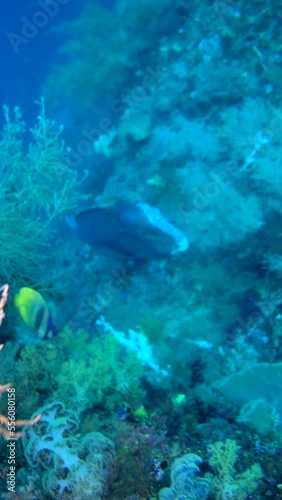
34	312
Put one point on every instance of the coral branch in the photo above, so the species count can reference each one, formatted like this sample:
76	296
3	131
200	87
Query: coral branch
4	289
7	434
5	387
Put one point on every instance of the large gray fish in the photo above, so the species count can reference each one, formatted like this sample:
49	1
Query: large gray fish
137	231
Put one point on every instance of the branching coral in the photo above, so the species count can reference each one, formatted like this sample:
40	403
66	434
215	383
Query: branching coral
4	289
85	373
53	185
228	484
103	374
7	427
41	363
37	185
39	180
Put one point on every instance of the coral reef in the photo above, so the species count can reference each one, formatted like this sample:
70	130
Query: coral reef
72	467
174	107
227	483
37	185
185	483
102	377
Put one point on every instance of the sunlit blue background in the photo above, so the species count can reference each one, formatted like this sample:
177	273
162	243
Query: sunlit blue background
22	74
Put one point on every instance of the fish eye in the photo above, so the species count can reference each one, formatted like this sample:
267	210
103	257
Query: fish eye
164	465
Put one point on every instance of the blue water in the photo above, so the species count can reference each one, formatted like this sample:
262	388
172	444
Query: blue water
140	250
23	73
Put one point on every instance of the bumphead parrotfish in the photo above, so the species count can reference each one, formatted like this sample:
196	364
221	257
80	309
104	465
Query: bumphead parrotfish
138	231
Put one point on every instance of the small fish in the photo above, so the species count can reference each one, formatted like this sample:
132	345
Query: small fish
124	412
138	231
159	467
34	312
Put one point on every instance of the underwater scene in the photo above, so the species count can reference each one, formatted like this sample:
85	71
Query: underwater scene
140	250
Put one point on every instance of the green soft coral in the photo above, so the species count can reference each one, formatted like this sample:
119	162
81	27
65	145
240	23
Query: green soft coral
97	373
227	483
41	363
